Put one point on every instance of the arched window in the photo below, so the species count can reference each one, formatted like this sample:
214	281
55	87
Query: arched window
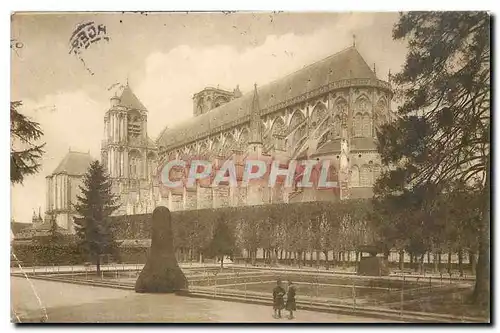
219	101
135	170
297	119
364	176
367	126
318	114
341	107
358	125
362	105
151	165
354	176
278	134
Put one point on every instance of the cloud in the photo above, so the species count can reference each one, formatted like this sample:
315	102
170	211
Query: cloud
69	119
171	78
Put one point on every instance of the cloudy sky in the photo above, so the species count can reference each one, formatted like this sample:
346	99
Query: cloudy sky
167	57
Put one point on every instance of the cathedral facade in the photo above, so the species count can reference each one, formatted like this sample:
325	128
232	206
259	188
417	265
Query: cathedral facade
327	110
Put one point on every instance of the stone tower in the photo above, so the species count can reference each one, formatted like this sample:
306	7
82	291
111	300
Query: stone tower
211	98
129	155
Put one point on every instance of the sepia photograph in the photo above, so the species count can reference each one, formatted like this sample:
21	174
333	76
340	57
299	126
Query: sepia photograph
250	167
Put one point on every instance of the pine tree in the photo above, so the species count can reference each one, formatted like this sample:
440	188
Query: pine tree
442	134
94	229
223	242
24	153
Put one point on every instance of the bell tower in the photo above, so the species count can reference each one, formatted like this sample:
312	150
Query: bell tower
127	152
211	98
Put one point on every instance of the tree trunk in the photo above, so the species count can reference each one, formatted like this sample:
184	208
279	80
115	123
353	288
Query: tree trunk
460	263
401	259
449	261
356	266
472	262
327	264
435	262
481	293
421	263
221	261
201	257
311	259
429	259
281	254
98	264
439	261
317	258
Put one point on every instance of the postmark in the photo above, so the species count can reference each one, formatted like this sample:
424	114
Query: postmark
85	35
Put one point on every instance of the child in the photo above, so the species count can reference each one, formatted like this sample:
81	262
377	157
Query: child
290	299
278	302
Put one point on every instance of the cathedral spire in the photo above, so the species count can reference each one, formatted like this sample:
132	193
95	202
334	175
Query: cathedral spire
255	121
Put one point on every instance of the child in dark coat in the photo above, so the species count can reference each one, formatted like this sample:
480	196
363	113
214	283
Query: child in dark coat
290	299
278	302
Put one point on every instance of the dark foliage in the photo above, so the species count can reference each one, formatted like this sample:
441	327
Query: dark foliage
25	155
95	229
223	243
441	138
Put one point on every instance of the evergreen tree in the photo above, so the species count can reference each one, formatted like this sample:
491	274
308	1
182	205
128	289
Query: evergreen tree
94	229
442	134
24	153
223	242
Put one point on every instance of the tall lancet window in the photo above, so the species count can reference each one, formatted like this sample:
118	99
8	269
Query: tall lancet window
358	125
135	164
151	165
367	125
